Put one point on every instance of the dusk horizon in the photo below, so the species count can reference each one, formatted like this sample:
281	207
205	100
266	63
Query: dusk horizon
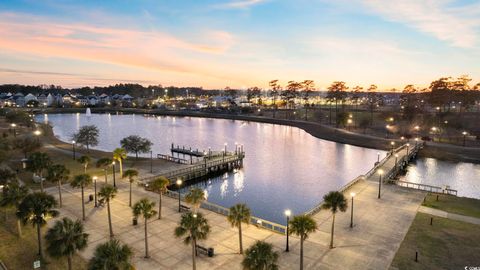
238	43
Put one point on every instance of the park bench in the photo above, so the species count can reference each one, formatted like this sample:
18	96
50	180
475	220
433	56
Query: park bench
184	208
206	251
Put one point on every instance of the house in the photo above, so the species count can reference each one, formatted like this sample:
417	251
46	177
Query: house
19	100
28	98
50	100
92	100
42	100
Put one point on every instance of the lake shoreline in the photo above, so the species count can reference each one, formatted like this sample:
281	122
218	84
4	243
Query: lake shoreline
431	149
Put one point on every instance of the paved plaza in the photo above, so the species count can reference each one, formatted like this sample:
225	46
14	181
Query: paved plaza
380	226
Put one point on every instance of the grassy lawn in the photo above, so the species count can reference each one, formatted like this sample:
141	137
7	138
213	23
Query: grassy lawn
20	253
448	244
452	204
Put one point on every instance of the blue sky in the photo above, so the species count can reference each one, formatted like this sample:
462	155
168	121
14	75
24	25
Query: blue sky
238	43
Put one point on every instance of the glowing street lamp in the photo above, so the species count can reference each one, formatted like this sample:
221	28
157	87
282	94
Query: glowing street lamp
464	137
37	134
113	171
179	184
396	160
380	173
288	213
14	130
73	148
393	145
352	194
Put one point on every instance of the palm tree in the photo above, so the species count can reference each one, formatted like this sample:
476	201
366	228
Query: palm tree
334	201
106	194
104	163
239	213
58	173
65	238
131	174
119	154
260	256
37	162
144	207
195	197
35	209
112	256
302	226
84	160
13	194
159	185
194	227
81	181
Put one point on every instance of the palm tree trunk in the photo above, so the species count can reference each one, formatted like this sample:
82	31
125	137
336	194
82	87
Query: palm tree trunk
109	219
83	206
121	167
19	228
85	168
160	205
240	237
333	229
130	195
194	255
60	193
105	170
69	260
146	240
40	250
301	252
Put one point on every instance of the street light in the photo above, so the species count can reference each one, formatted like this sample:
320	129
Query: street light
396	160
393	145
288	213
464	137
151	162
113	171
380	173
37	133
14	131
408	145
73	146
378	157
351	213
179	183
95	189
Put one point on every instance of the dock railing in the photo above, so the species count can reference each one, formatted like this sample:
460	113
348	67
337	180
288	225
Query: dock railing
424	187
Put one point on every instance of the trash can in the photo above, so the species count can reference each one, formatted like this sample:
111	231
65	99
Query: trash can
90	197
134	221
210	252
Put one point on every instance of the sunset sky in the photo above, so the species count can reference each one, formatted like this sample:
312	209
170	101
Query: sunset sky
238	43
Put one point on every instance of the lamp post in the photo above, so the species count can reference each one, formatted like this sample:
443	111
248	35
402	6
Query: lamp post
37	133
378	157
396	161
179	183
351	208
73	148
393	145
113	171
380	173
464	137
225	148
288	213
408	145
95	189
14	131
151	162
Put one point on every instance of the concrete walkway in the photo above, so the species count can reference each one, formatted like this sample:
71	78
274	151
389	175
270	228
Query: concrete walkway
380	226
444	214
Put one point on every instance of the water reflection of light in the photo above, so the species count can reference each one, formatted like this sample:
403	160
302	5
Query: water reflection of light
238	182
224	188
46	118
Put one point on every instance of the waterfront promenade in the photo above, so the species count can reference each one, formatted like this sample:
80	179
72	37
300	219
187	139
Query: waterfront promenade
380	226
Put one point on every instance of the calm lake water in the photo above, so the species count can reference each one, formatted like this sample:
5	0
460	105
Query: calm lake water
284	168
464	177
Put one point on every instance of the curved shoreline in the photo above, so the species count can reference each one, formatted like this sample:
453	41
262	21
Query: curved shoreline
433	150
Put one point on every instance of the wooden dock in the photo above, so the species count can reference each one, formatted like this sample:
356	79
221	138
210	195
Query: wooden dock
207	165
